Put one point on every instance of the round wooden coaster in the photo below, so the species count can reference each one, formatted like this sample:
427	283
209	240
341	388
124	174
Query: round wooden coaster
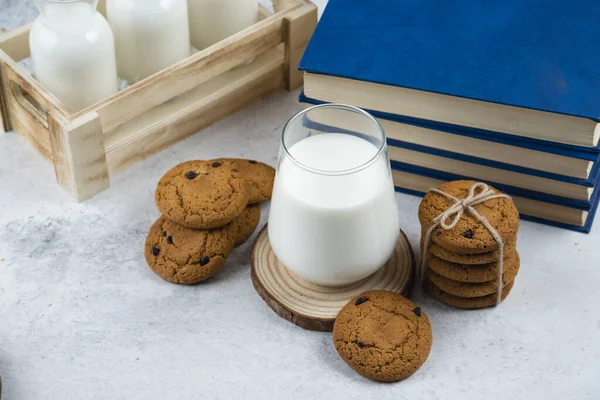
315	307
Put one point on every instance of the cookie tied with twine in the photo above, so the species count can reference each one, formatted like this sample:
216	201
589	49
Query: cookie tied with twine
468	217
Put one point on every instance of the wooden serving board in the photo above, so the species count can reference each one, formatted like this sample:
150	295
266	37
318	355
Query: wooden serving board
315	307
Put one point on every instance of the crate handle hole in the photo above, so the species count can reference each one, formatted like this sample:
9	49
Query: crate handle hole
29	103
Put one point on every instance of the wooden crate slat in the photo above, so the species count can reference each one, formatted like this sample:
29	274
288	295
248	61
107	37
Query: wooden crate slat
113	134
102	7
5	124
29	128
14	75
282	5
152	132
189	73
25	119
299	27
16	43
79	155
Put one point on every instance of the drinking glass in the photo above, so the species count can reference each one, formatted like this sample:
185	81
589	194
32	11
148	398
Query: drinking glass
334	218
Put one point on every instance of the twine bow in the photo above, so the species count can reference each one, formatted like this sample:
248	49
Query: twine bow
449	218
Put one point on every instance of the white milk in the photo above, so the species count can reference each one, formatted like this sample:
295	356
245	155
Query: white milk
333	230
73	53
213	20
150	35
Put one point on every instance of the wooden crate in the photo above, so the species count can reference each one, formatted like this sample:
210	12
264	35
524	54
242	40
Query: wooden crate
90	146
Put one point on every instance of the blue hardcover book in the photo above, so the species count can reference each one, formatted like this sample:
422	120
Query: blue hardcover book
579	152
436	176
511	190
591	181
521	68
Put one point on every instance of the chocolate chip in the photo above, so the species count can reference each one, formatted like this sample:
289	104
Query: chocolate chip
204	260
155	251
216	164
191	175
360	300
361	344
417	311
170	240
164	233
468	234
252	162
235	170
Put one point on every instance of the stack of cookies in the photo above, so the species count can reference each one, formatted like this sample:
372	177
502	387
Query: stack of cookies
208	208
461	264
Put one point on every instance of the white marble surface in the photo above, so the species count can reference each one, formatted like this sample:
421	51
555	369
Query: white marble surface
82	317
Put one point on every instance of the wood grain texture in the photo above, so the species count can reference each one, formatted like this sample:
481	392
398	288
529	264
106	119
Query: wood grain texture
189	73
5	125
15	44
88	146
298	27
17	77
24	118
315	307
282	5
79	155
171	122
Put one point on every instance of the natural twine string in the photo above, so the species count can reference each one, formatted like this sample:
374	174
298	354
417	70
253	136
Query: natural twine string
449	218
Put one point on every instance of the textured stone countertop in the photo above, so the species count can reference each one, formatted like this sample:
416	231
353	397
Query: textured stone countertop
82	316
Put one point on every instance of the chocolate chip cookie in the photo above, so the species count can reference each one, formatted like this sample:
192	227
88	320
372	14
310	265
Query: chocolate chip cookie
469	236
462	289
472	259
202	194
260	177
383	336
244	225
464	302
182	255
472	273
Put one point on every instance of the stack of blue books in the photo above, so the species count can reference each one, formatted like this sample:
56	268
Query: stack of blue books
497	91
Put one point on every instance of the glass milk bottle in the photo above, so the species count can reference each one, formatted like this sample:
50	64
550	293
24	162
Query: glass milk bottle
73	52
333	218
214	20
150	35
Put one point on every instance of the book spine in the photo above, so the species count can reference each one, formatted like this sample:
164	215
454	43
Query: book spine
511	190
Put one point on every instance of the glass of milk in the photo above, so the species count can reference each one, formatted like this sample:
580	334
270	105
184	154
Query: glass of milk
333	218
150	35
214	20
73	52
